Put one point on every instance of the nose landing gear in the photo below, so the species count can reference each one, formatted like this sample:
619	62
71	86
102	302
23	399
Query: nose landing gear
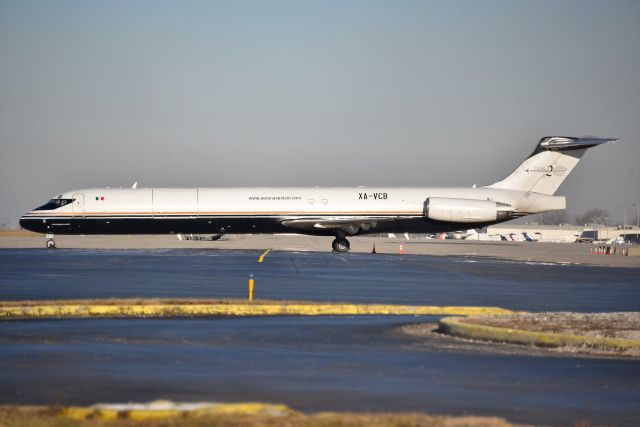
51	243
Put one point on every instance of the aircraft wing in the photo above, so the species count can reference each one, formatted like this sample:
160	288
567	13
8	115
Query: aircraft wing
350	225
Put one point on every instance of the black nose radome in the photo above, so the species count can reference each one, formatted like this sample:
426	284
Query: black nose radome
29	224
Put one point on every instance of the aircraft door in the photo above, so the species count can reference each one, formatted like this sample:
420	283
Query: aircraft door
78	202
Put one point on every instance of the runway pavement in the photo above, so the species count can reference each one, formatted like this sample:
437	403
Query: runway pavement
367	278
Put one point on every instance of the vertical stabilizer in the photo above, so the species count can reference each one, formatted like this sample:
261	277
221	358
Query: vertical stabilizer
550	163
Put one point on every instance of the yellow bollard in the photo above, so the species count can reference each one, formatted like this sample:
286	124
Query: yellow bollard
251	283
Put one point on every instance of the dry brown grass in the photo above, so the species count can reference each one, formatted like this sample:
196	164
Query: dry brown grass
14	416
148	301
611	325
601	334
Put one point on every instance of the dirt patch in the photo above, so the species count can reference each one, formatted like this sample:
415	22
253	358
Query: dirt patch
536	334
426	337
624	325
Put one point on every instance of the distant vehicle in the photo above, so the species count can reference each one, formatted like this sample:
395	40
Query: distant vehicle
587	236
618	240
211	237
528	237
339	212
483	237
464	235
515	237
456	235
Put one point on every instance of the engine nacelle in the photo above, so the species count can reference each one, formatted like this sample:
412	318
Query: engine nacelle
465	210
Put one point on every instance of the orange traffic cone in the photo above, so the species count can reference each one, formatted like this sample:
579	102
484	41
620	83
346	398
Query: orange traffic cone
401	249
373	251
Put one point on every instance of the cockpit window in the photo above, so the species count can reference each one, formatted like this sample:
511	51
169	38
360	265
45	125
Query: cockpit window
54	204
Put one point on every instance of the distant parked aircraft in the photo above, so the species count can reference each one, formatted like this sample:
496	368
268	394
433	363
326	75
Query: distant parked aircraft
339	212
457	235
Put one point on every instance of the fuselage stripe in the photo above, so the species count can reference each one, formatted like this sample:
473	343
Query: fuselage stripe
147	214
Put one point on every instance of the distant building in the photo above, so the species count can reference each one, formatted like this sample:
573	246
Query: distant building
567	233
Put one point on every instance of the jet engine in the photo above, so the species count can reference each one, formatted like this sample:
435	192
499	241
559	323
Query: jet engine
465	210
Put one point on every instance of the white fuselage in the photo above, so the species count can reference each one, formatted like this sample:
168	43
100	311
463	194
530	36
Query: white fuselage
255	210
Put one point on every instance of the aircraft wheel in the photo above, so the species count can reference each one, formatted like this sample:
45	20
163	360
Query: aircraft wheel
341	245
51	244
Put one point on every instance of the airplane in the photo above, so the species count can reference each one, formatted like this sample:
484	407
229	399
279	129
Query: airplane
339	212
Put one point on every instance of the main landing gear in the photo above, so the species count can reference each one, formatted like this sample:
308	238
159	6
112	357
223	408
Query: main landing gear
341	244
51	243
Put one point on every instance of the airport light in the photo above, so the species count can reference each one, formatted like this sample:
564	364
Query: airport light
625	217
624	222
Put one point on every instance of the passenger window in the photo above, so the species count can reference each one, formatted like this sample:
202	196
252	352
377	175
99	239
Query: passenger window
311	201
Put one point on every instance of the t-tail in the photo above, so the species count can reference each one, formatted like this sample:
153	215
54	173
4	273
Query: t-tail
550	163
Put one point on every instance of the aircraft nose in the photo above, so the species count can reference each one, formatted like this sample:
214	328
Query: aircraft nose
29	223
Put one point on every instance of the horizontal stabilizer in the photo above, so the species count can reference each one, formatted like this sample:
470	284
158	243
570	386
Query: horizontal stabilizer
565	143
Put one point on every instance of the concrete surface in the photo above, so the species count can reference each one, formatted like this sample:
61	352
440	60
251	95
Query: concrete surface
522	251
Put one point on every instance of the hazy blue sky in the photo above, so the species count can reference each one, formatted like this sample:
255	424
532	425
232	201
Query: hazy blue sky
229	93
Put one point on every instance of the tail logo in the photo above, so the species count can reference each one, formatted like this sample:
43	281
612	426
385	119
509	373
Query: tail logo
548	170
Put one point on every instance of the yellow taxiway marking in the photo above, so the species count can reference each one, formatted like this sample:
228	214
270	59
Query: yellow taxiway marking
264	254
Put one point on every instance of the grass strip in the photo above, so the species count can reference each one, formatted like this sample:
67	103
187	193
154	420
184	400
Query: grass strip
204	308
228	415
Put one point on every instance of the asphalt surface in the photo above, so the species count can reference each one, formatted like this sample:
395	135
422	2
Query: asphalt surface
310	363
393	279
